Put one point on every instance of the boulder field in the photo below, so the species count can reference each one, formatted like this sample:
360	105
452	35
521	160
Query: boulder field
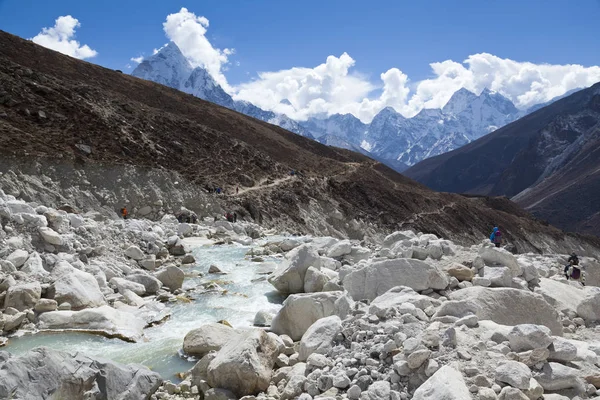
403	316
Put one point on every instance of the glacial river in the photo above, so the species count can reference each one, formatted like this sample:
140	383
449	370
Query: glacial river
161	351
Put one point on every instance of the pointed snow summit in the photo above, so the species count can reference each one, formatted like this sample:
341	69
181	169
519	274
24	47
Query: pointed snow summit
168	67
459	101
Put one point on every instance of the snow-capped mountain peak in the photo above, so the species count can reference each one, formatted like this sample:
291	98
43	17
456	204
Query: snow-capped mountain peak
168	67
390	136
459	101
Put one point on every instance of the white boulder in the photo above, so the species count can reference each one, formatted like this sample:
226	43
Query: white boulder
289	277
446	384
18	257
244	366
24	296
319	337
50	236
340	249
103	320
314	280
300	311
514	373
76	287
499	257
135	253
509	306
374	279
207	338
529	337
171	276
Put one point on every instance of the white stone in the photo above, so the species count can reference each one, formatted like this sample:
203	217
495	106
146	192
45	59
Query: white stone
135	253
102	320
559	294
319	337
51	236
34	267
123	284
555	376
314	280
562	350
24	296
245	365
493	256
498	276
446	384
529	337
200	341
300	311
76	287
289	277
514	373
18	258
171	276
373	280
340	249
510	307
185	229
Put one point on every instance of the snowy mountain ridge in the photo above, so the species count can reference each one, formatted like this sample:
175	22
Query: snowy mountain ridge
389	137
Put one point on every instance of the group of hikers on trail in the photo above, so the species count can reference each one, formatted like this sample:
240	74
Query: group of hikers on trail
572	269
219	190
231	217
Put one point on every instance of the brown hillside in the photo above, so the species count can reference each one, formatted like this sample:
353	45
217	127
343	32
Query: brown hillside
56	108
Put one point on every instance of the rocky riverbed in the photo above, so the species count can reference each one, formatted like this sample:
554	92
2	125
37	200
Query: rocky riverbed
403	316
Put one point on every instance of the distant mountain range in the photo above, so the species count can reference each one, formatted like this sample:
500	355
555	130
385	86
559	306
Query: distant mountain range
548	162
390	138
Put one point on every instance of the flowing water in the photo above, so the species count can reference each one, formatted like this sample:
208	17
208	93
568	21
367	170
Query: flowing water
161	349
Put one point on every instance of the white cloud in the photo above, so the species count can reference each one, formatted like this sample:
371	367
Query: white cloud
332	88
326	89
137	60
60	38
336	87
188	32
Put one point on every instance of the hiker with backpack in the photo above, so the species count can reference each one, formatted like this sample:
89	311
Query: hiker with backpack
496	237
124	212
572	269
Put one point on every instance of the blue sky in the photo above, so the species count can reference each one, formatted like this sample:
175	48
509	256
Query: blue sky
270	35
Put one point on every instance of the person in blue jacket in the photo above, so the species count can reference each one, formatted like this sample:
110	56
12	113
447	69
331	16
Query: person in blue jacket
496	237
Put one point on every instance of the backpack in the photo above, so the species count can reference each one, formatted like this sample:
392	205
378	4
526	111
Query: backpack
575	273
498	237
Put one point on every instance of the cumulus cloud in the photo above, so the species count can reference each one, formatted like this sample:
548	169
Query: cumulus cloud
137	60
188	31
326	89
61	38
333	88
337	87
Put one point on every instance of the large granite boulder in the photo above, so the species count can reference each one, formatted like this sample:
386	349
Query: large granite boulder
319	336
508	306
24	296
245	365
374	279
105	321
76	287
207	338
300	311
43	373
289	276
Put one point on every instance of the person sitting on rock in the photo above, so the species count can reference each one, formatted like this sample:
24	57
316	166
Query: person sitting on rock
572	269
124	212
496	237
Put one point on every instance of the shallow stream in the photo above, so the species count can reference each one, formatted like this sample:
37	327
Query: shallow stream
161	349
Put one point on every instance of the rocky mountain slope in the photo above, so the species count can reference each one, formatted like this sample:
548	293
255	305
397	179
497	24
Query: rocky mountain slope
76	134
547	161
390	138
